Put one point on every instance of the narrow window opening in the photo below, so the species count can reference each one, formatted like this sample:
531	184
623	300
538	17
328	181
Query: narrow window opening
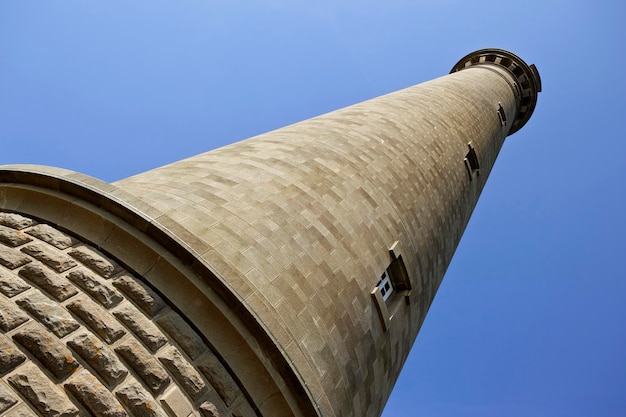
393	288
501	115
471	162
385	286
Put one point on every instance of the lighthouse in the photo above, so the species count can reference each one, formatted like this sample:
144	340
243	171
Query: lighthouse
284	275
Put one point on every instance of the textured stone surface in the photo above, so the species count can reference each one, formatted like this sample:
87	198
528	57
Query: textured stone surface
49	313
178	329
7	399
141	294
55	285
15	221
94	260
99	357
95	286
184	373
139	402
10	315
49	350
10	356
95	397
97	319
41	393
12	259
52	236
141	327
10	284
144	364
12	237
49	256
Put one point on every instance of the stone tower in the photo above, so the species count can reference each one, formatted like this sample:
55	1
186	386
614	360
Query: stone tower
285	275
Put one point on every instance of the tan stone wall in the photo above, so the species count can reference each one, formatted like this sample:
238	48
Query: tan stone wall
298	223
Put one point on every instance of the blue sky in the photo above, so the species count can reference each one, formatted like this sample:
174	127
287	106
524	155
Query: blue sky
530	319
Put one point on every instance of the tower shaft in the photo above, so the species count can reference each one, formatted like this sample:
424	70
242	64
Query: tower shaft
307	257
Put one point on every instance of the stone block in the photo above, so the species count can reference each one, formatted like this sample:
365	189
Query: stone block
144	364
48	350
142	295
15	221
95	286
94	260
10	355
12	258
10	284
95	396
185	374
99	320
10	315
52	236
139	402
99	357
53	258
178	329
55	285
41	393
12	237
49	313
144	329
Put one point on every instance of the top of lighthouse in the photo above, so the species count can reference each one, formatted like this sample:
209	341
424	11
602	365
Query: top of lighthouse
527	84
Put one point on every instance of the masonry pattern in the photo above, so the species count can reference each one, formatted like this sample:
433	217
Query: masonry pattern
80	335
271	247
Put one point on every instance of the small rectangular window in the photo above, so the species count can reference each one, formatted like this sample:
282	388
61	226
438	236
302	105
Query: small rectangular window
394	287
501	115
471	162
385	286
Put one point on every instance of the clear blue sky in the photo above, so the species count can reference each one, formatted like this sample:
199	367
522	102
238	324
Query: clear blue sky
531	317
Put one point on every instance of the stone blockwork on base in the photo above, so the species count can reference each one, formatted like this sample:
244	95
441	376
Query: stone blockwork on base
82	336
